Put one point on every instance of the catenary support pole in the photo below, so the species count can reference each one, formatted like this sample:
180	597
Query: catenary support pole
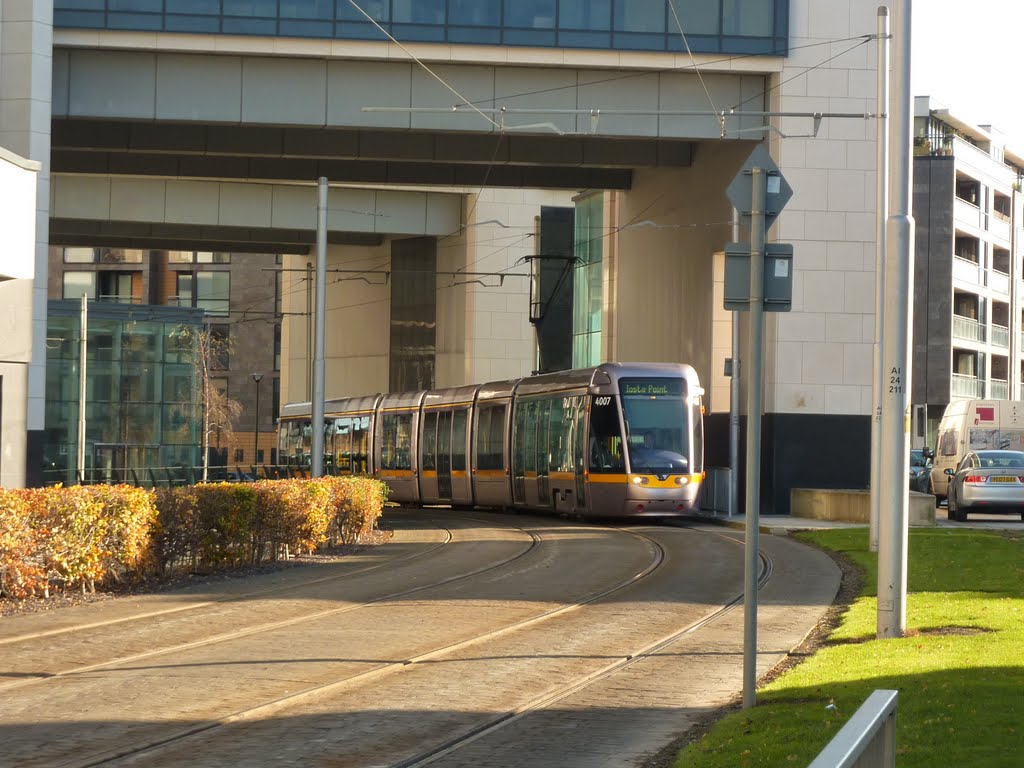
754	376
734	397
317	468
895	424
83	349
882	199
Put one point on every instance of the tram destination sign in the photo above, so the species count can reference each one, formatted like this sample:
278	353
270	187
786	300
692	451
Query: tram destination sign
741	189
651	387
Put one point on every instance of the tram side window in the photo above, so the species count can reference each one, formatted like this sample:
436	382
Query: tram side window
605	437
530	437
491	438
396	448
360	445
459	440
562	429
697	464
429	449
343	444
543	444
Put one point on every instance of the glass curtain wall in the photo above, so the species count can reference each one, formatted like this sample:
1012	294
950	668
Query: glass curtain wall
143	405
588	248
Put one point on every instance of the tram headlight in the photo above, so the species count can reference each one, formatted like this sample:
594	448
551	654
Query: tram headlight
640	480
683	480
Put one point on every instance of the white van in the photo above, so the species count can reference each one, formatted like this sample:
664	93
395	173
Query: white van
975	425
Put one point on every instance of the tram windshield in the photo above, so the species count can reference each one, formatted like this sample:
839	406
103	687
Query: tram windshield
658	426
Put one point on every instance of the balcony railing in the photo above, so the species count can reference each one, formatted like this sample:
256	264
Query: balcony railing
967	329
968	271
1000	336
999	281
967	386
999	389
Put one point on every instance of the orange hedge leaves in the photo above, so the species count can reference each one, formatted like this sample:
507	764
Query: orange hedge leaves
84	535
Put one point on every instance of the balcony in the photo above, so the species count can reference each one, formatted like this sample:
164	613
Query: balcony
967	329
967	386
968	271
1000	336
999	281
999	389
968	214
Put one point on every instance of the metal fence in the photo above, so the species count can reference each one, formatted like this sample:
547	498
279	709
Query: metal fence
169	477
868	740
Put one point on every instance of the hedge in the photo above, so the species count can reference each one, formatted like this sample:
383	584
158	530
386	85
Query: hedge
81	536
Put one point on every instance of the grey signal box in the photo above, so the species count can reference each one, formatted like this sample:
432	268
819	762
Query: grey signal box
778	277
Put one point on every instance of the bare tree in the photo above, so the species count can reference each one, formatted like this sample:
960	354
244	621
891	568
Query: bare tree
219	411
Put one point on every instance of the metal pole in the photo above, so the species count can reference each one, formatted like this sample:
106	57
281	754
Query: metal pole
895	423
317	468
83	348
257	377
734	397
755	374
882	200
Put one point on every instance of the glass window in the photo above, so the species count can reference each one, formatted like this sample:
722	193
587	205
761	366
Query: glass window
536	14
343	444
748	17
605	436
360	445
459	421
657	418
475	13
78	284
213	292
491	438
179	257
185	289
640	15
699	18
396	449
79	255
429	441
585	14
212	257
418	11
376	9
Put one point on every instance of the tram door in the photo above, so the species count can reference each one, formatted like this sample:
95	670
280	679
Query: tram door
444	455
579	433
543	453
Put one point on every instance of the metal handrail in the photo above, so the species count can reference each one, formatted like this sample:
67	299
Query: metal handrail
868	740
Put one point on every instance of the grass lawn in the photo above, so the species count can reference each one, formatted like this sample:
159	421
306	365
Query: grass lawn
959	671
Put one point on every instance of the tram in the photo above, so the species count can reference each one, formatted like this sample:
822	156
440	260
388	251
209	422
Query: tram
615	440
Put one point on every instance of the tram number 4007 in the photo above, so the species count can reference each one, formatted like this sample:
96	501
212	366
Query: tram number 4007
602	401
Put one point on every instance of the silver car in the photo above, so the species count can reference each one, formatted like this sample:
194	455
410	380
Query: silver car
989	481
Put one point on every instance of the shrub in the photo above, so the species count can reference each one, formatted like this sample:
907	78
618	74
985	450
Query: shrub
21	570
358	504
227	514
130	516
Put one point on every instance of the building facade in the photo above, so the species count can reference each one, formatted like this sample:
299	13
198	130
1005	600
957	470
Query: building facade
968	281
202	128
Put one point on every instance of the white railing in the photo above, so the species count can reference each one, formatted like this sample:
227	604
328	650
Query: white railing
868	740
1000	336
965	212
999	281
999	389
968	271
967	386
967	329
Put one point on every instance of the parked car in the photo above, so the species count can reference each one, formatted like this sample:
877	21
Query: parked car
990	481
921	470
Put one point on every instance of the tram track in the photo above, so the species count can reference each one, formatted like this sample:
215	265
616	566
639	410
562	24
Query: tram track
141	754
554	696
260	593
272	626
283	703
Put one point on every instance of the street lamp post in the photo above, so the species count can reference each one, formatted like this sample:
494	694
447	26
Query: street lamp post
257	377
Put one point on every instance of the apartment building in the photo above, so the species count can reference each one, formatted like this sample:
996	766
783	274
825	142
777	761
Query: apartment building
239	294
968	277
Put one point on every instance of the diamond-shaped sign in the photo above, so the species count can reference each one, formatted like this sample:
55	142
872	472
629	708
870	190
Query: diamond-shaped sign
741	191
